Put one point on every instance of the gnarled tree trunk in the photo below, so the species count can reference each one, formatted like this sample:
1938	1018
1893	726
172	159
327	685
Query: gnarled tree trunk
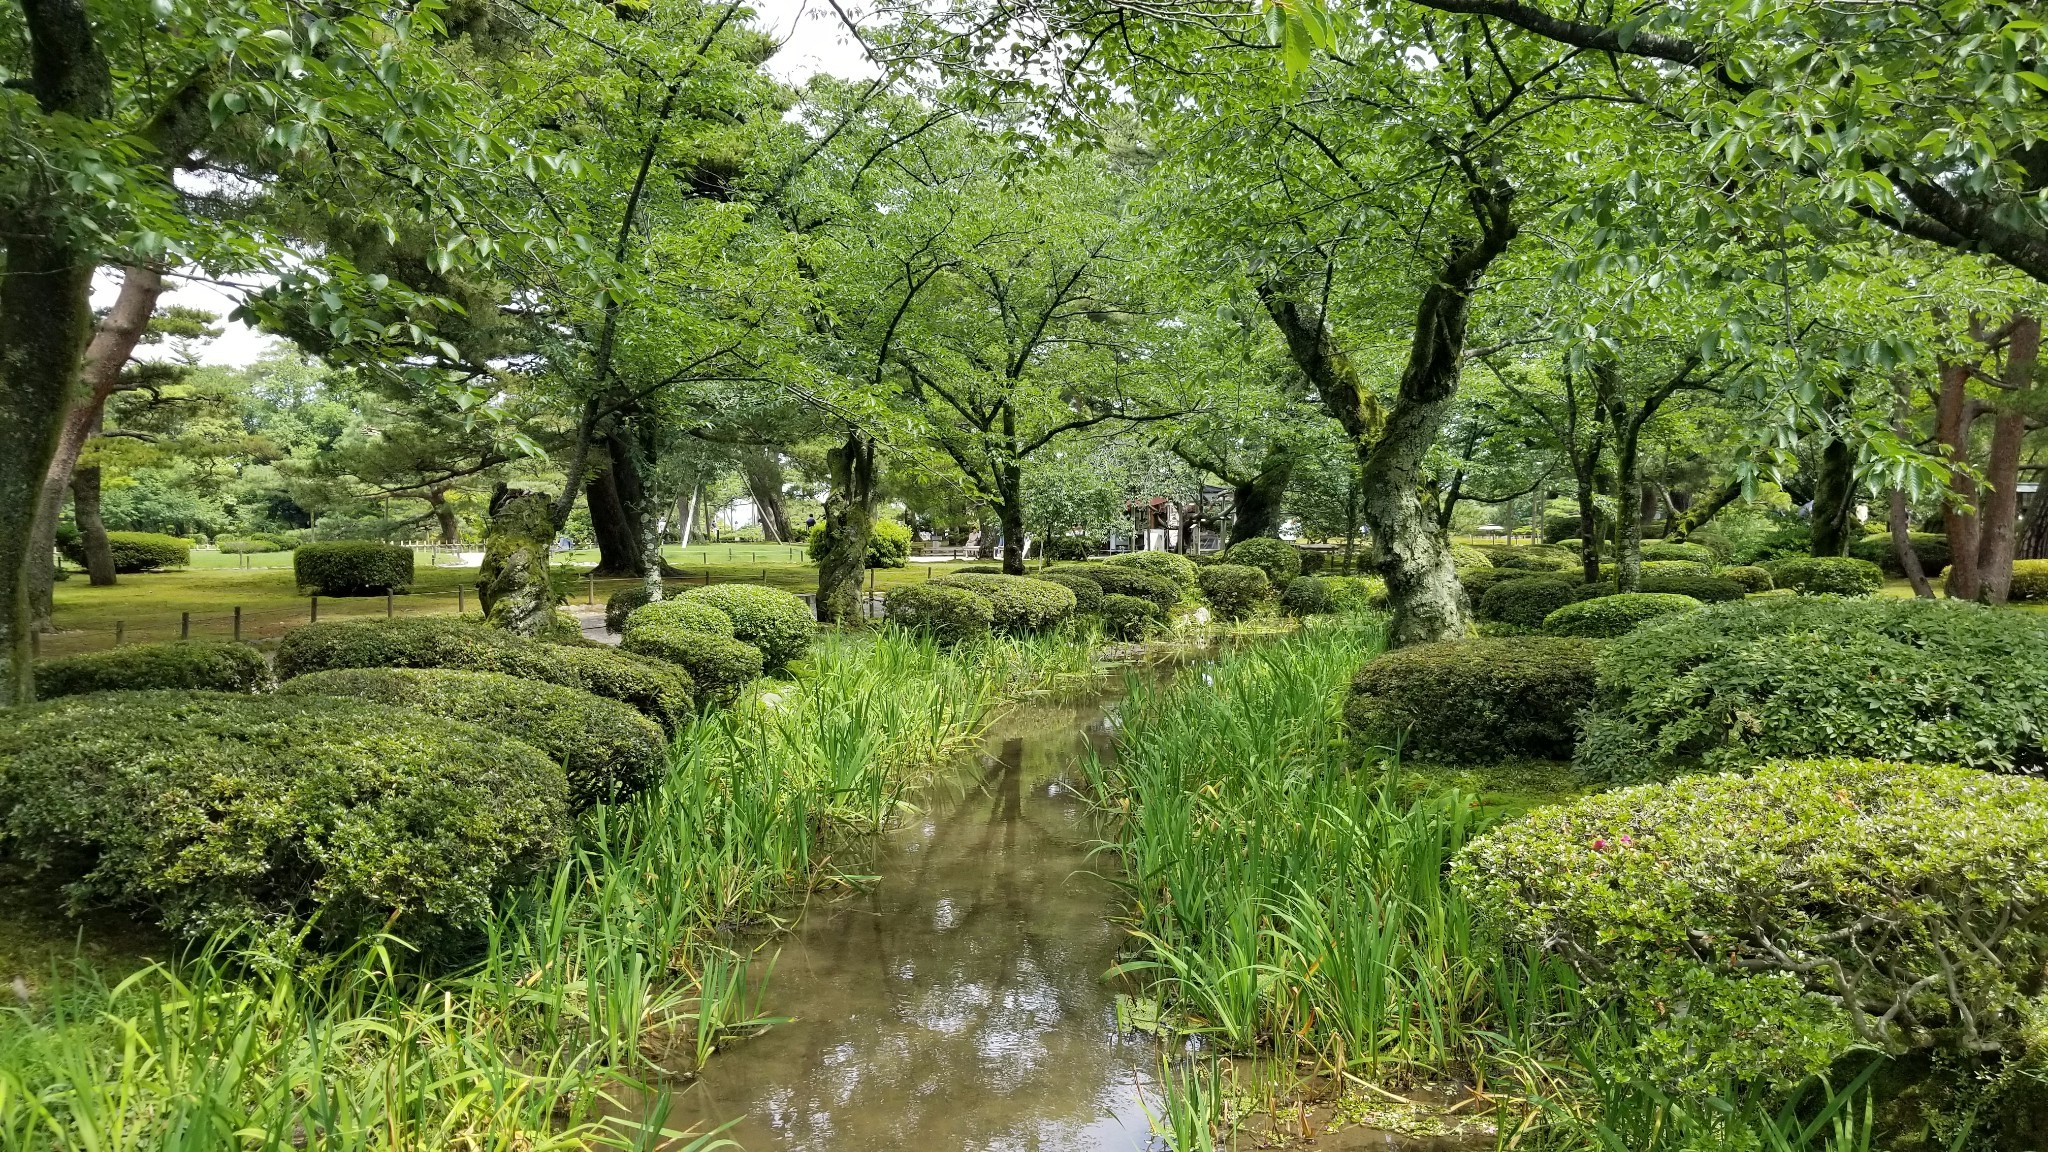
513	585
92	531
2000	519
763	472
849	521
1256	500
1955	412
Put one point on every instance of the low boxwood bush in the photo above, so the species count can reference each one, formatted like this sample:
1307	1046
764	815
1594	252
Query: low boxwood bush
2029	580
212	810
1308	596
216	665
134	551
689	615
606	749
778	623
1123	580
238	545
1534	558
1018	605
947	614
1314	561
352	568
1931	547
1278	559
1675	568
1796	912
888	544
1751	577
656	689
1087	591
1478	582
1466	558
1358	593
620	604
1129	617
1235	591
1475	701
1606	616
978	570
1070	548
1705	589
1786	676
1527	602
1169	566
1698	554
720	666
1826	575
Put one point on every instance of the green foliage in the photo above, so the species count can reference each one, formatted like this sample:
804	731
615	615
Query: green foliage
1279	560
778	623
1235	591
1073	548
656	689
979	570
352	568
135	551
1533	558
607	750
1129	617
888	544
1526	602
2029	580
1086	589
1354	594
216	665
1478	582
1823	905
1019	605
1779	677
238	545
720	666
1466	558
1607	616
620	604
1123	580
1705	589
1307	596
1476	701
210	810
688	615
947	614
1170	566
1749	576
1931	547
1698	554
1675	568
1826	575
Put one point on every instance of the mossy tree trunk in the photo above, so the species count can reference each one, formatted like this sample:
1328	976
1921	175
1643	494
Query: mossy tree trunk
1834	490
849	521
514	586
92	530
1256	499
763	472
1997	533
1955	415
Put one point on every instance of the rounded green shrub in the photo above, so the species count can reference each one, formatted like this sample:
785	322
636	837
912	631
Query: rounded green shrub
1675	568
213	810
1314	561
1475	701
1466	558
1122	580
1130	617
2029	580
239	545
1358	593
656	689
1074	548
134	551
352	568
688	615
1527	602
720	666
1019	605
1087	591
1235	591
888	544
1786	676
1751	577
947	614
1705	589
1534	558
1170	566
978	570
620	604
1479	582
1798	912
1308	596
215	665
606	749
1698	554
1278	559
778	623
1931	547
1826	575
1607	616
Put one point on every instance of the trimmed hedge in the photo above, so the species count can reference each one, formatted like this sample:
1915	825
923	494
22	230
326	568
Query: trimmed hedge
1787	676
1476	701
1018	604
1070	548
621	604
778	623
607	750
947	614
1752	578
1235	591
1466	558
688	615
1122	580
720	666
1308	596
979	570
134	551
1358	593
1086	589
1667	550
1533	558
1705	589
217	665
1931	547
1826	575
1795	912
1129	617
213	810
888	544
2029	580
1170	566
1527	602
1279	560
1608	616
656	689
352	568
1675	568
238	545
1478	583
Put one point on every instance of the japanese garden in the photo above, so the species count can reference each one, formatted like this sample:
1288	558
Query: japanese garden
1122	576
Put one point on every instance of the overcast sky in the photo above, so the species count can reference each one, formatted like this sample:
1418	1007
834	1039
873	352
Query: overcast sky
814	40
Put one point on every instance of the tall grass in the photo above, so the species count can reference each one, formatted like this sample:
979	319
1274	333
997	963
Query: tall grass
621	968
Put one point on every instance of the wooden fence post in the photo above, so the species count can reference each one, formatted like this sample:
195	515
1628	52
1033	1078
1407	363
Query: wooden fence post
316	611
120	629
238	623
184	625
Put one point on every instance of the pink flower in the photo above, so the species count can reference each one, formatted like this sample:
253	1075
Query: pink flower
1599	845
1625	841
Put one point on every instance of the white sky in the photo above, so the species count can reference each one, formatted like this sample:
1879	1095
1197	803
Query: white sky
814	40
